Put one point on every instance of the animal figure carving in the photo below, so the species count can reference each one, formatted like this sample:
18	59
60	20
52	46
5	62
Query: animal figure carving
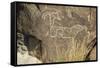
60	30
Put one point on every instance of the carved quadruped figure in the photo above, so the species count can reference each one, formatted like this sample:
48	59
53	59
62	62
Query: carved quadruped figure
59	30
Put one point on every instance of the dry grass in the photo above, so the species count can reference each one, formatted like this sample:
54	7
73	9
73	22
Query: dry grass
76	52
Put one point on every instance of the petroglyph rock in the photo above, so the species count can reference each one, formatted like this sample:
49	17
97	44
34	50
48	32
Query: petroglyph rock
57	33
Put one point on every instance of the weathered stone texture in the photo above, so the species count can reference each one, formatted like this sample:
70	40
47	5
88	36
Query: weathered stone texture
64	31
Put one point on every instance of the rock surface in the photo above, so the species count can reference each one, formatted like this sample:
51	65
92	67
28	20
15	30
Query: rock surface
27	59
56	33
